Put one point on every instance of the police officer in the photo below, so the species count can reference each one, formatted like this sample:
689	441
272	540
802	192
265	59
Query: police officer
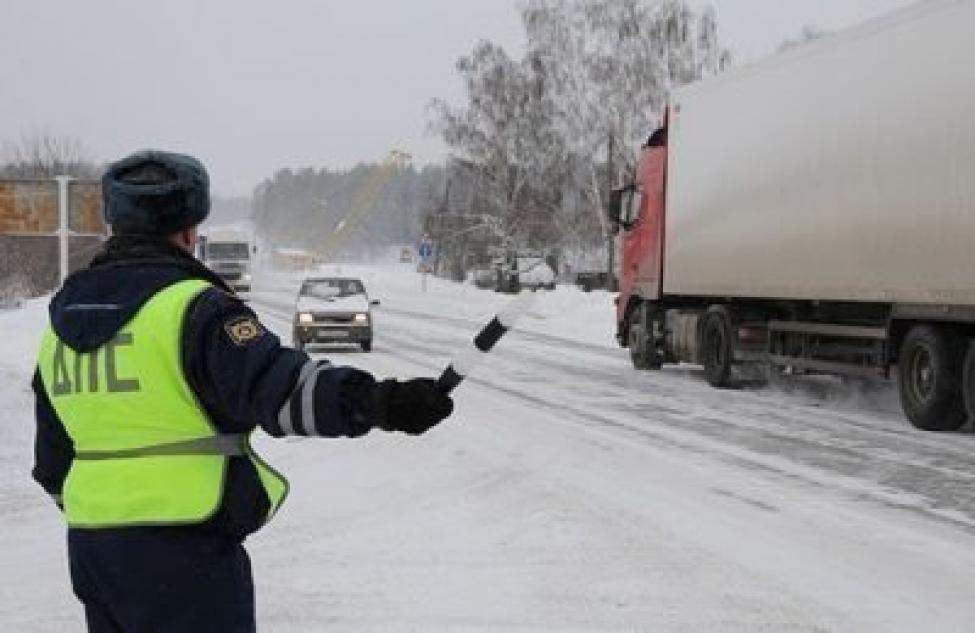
150	380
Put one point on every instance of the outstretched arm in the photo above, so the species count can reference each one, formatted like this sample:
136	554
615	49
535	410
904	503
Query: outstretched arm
245	378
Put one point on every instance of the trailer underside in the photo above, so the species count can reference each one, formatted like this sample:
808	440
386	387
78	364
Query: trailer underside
739	341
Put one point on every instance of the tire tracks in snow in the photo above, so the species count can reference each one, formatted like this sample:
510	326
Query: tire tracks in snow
675	436
471	324
752	411
736	432
759	397
754	403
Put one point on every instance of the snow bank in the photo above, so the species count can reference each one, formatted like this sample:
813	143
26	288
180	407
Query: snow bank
34	590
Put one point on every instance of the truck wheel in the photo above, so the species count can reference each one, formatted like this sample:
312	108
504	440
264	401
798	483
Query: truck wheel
637	342
717	347
366	345
643	354
929	373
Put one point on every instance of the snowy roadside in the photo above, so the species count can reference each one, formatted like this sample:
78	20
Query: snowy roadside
34	591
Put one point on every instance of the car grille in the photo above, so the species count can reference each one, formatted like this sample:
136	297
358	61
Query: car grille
333	319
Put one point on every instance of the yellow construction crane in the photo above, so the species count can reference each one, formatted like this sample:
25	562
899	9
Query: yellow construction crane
365	200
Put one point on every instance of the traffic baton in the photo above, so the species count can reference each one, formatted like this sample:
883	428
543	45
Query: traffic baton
464	363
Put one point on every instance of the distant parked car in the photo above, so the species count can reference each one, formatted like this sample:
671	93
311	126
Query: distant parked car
333	310
535	273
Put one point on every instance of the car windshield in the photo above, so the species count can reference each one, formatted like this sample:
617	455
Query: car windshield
329	288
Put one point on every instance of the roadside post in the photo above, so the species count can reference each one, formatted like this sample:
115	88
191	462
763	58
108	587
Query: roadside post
64	230
425	251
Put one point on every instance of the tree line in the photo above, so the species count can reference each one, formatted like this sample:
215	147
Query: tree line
370	206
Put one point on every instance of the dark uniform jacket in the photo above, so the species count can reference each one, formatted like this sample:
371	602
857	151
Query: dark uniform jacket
240	384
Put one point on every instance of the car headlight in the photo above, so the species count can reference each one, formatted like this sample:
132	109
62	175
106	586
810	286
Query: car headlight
245	277
361	317
306	318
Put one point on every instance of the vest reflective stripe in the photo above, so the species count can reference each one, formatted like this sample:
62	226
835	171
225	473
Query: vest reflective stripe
145	450
216	445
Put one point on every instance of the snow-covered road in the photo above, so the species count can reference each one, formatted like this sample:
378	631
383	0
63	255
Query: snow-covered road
569	492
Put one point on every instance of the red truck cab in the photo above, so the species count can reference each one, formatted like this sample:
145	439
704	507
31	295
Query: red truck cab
642	214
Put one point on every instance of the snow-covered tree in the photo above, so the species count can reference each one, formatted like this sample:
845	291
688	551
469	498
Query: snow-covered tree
504	137
612	65
560	127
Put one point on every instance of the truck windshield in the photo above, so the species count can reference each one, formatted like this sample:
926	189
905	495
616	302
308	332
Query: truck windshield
228	250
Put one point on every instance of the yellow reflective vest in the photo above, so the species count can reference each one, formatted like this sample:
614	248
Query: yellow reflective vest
145	451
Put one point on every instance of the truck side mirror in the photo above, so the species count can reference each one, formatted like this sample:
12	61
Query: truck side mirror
624	206
614	207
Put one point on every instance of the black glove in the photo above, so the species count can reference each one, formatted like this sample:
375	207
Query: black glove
413	407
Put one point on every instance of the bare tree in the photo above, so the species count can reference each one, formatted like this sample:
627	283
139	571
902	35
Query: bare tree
45	155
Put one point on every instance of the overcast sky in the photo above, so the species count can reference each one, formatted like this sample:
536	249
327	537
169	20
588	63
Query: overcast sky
253	85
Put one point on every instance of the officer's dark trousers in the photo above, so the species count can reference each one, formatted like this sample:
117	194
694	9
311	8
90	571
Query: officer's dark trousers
161	580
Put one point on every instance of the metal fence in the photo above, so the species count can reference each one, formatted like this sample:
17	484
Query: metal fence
48	228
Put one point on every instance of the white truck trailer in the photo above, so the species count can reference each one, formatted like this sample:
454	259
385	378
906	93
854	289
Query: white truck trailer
816	211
